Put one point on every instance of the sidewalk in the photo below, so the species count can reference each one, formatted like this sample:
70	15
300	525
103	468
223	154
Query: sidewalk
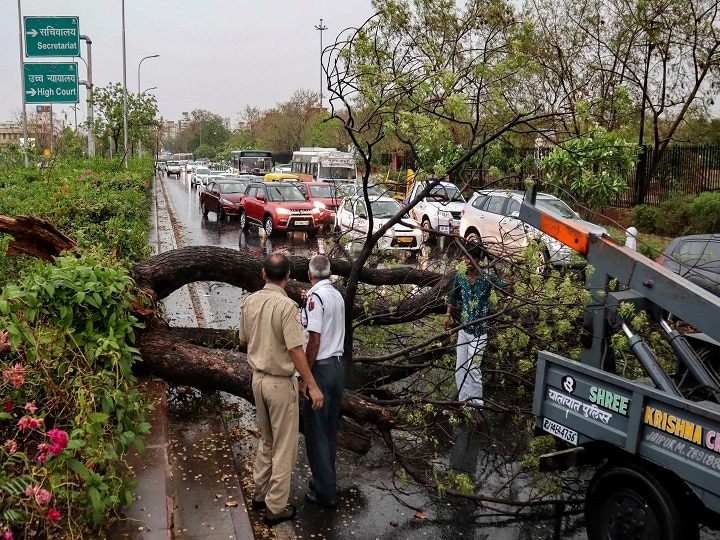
188	484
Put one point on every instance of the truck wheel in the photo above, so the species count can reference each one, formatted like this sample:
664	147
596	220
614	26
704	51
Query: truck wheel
626	503
269	226
426	236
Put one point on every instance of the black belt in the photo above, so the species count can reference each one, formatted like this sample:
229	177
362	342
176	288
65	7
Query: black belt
328	360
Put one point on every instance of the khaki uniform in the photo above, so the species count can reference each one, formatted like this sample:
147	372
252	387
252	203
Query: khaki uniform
270	324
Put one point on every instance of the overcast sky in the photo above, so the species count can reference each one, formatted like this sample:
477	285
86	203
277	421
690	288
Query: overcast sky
217	55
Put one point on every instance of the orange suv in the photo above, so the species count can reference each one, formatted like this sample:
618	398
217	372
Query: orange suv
278	207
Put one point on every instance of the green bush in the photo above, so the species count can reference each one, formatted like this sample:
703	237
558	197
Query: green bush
70	407
644	218
704	213
673	218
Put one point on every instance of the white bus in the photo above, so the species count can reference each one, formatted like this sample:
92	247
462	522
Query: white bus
324	165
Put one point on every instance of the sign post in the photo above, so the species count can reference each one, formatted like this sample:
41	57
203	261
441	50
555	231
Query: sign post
51	82
52	36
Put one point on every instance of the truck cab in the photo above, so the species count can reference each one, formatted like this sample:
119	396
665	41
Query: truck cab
439	211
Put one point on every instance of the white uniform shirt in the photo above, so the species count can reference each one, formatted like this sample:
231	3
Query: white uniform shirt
324	313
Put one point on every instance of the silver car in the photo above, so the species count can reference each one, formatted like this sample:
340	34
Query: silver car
491	217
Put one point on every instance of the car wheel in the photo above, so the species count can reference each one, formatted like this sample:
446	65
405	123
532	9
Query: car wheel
269	226
427	237
473	238
203	209
541	259
220	214
243	221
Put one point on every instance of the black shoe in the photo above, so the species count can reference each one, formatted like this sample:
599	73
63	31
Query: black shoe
311	496
273	519
258	505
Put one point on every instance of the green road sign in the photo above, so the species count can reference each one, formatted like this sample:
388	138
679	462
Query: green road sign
52	36
51	83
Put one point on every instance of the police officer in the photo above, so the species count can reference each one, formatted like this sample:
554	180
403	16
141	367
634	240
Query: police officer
271	334
323	318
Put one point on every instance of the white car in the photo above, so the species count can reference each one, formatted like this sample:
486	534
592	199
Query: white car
352	219
491	218
199	177
440	210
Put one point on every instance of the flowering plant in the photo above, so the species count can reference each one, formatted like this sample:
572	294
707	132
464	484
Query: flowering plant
69	409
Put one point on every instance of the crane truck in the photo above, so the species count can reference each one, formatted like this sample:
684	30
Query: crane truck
656	439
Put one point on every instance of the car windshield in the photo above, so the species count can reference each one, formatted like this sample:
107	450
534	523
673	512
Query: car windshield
232	187
700	254
202	170
556	206
325	192
385	209
446	193
284	193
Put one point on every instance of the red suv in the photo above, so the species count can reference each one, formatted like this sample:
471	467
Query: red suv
278	207
324	196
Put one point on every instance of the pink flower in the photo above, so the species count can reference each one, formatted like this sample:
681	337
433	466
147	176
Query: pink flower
11	445
30	407
54	516
42	496
4	341
15	375
7	535
28	422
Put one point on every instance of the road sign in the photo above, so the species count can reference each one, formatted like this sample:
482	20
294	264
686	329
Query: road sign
52	36
51	82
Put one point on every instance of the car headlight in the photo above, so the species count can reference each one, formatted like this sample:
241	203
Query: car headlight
319	204
283	211
225	202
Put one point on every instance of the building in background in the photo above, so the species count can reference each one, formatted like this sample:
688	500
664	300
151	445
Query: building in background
10	133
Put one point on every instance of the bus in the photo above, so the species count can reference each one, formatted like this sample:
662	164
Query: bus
250	161
324	165
187	156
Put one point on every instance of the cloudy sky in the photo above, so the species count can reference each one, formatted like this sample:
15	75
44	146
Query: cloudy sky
217	55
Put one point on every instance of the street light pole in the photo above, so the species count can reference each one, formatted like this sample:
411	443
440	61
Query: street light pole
322	28
89	85
140	64
125	119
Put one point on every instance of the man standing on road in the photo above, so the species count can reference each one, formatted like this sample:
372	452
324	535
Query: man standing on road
323	318
271	335
471	289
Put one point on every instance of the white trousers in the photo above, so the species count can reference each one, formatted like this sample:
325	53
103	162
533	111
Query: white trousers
468	376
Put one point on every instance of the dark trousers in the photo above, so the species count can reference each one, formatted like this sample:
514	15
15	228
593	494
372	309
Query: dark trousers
321	428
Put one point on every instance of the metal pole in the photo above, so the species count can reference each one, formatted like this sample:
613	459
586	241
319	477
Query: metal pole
321	28
89	86
22	87
140	64
641	168
125	119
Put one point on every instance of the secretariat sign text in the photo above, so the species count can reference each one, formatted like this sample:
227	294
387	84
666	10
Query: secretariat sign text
52	36
51	83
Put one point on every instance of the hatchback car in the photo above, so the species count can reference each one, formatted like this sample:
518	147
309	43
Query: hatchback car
491	218
324	196
278	207
352	219
696	258
222	197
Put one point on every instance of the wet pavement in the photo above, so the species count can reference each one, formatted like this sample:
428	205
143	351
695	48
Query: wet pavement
376	499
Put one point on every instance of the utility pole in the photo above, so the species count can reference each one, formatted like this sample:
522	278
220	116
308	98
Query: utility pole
22	89
125	101
322	28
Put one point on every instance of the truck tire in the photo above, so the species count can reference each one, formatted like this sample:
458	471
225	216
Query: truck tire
625	503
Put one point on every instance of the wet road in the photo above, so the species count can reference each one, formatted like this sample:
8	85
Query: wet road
375	500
